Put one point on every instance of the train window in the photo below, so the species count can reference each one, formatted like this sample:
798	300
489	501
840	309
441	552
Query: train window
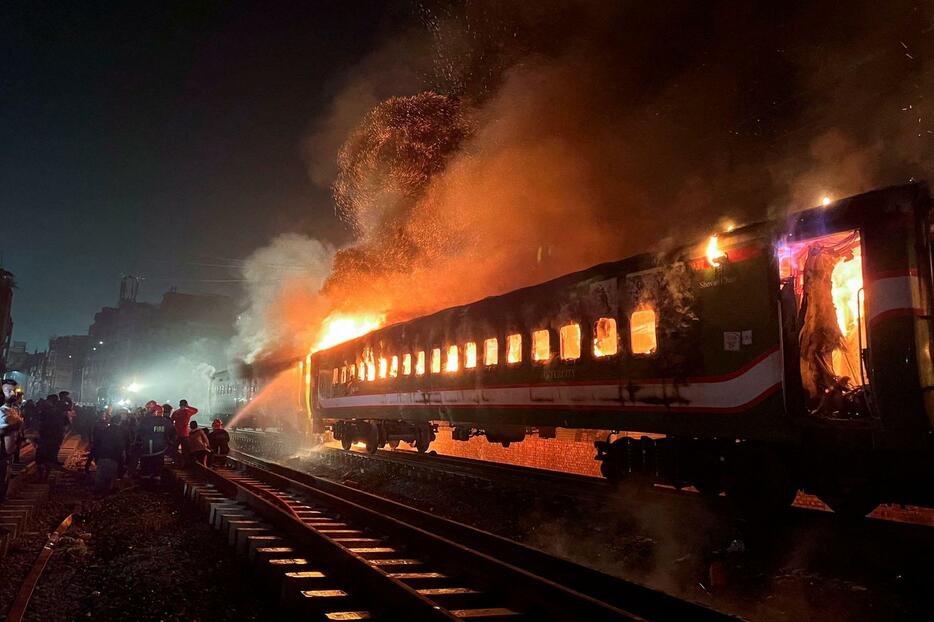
335	376
383	366
490	352
394	367
420	363
513	349
452	364
541	345
436	361
351	372
361	371
570	342
470	355
370	367
642	332
605	342
406	364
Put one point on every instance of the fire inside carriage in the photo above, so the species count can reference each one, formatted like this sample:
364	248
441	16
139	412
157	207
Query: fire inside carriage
781	356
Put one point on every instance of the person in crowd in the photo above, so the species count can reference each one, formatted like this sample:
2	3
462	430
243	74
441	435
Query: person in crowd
30	413
131	425
172	436
67	405
110	445
180	418
199	447
125	423
219	439
152	435
52	424
9	388
102	424
10	423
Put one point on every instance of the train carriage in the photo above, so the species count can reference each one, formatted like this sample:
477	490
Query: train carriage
783	355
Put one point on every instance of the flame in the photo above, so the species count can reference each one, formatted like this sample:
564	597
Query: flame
491	351
541	345
514	348
339	327
470	355
825	201
451	365
714	254
605	342
847	278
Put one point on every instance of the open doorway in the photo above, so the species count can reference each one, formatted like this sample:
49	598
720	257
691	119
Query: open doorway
826	275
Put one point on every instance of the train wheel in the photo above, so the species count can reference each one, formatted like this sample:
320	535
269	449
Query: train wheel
372	439
346	443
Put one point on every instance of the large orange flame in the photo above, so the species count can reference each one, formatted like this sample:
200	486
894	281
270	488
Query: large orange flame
340	327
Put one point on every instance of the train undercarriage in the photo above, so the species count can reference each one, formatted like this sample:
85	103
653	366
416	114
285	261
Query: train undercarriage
378	433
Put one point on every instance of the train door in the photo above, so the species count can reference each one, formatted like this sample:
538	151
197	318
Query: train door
824	324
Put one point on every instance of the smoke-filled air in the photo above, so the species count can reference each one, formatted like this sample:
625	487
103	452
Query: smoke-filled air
545	138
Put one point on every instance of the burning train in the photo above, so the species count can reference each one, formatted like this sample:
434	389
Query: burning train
778	356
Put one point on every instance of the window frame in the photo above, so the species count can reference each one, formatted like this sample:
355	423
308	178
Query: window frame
532	334
632	350
580	341
495	363
619	340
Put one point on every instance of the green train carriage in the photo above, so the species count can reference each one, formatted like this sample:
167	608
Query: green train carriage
698	349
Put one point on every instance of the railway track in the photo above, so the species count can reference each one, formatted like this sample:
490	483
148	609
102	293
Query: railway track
340	554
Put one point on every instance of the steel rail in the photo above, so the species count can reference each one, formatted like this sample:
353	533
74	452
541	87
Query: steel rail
389	591
571	585
540	597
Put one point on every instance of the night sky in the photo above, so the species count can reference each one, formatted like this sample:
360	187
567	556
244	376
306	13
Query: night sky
158	138
172	140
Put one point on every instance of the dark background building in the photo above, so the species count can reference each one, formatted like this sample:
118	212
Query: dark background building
6	315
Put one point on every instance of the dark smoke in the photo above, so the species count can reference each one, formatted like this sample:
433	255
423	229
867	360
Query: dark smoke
566	133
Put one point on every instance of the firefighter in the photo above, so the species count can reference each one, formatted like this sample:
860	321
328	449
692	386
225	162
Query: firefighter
152	436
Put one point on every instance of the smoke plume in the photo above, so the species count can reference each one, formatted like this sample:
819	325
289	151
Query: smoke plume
283	284
561	134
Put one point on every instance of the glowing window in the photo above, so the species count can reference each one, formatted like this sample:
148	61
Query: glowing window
436	361
470	355
490	352
642	332
513	349
570	342
383	366
335	375
605	342
343	374
351	372
541	345
406	364
370	367
452	364
420	363
361	370
394	367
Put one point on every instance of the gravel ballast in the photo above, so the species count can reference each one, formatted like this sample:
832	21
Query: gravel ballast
139	554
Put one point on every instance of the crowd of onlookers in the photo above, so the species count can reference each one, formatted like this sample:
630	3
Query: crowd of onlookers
121	442
42	422
136	443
